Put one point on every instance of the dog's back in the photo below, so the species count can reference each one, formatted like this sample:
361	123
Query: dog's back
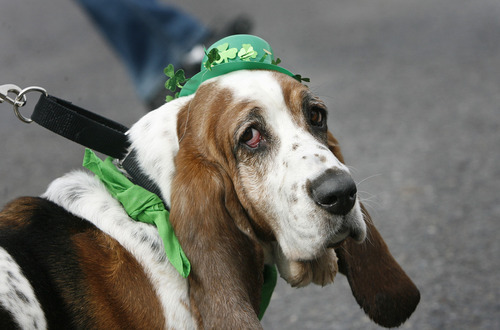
36	261
59	271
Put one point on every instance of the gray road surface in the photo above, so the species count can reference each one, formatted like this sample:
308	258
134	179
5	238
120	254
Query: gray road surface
413	88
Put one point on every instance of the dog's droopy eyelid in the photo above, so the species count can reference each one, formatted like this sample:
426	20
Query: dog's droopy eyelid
253	119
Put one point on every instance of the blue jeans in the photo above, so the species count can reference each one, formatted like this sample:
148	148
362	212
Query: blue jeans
147	36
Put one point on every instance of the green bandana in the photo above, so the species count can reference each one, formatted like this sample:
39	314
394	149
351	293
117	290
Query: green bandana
141	205
270	279
144	206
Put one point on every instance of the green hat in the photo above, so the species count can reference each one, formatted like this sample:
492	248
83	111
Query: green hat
236	52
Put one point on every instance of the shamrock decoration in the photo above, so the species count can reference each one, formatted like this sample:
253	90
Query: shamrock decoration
176	78
247	52
238	58
212	57
301	79
226	54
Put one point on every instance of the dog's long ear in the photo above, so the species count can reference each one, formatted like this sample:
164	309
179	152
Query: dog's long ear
379	284
226	262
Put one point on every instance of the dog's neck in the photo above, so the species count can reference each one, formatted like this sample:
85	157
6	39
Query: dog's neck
157	130
132	169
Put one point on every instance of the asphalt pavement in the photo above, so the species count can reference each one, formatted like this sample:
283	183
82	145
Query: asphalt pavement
413	89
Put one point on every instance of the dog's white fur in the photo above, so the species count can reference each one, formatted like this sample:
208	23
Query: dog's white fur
17	295
154	138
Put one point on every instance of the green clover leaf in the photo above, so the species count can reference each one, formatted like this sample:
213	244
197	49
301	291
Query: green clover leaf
175	81
170	97
301	79
212	57
176	78
247	52
169	71
225	53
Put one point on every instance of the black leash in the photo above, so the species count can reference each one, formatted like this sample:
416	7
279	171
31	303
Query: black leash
81	126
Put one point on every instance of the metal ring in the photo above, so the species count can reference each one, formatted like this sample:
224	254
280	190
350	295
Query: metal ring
19	101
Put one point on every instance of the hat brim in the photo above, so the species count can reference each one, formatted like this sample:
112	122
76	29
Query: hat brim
192	85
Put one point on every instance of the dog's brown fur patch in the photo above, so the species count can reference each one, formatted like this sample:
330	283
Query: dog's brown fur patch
119	292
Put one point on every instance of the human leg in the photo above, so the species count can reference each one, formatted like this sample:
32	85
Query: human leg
147	36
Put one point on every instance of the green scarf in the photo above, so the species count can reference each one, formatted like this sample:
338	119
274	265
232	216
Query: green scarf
141	205
144	206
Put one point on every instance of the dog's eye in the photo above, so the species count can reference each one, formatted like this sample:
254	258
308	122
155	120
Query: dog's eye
251	137
316	117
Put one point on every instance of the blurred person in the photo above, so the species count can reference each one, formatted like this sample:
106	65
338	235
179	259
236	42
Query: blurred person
148	36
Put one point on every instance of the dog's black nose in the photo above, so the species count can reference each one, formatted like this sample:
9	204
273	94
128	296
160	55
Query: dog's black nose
334	191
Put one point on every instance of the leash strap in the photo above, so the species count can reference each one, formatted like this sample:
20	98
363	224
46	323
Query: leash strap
92	131
81	126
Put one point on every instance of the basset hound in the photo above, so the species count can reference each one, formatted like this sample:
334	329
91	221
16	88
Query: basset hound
252	177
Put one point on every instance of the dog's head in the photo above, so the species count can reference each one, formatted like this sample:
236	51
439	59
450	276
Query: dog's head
268	134
246	161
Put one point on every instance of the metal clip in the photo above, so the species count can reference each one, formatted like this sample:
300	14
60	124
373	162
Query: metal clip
11	88
20	99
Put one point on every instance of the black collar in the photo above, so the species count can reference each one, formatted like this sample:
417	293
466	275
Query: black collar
131	166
